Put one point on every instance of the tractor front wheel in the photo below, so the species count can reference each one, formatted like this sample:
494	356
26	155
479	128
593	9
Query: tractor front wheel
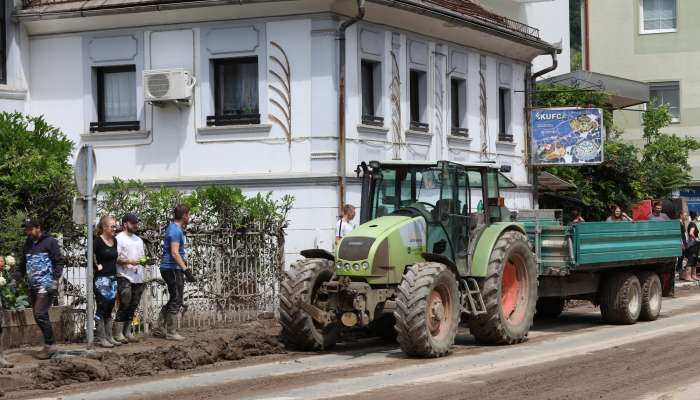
427	310
509	291
301	285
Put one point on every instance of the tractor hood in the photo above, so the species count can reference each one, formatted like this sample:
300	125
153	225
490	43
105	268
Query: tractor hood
382	247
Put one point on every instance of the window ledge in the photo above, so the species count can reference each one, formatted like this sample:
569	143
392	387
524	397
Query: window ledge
506	144
377	130
459	139
9	93
115	137
227	133
657	31
410	133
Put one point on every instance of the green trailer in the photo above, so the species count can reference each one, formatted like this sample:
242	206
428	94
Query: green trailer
625	267
438	248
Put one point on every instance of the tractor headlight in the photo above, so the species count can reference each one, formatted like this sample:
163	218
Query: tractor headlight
339	265
347	266
365	265
356	267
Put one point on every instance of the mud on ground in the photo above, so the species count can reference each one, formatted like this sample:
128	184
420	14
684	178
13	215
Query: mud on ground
143	359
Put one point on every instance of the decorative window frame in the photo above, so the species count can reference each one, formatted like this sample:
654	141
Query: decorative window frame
372	46
118	48
458	68
255	45
419	61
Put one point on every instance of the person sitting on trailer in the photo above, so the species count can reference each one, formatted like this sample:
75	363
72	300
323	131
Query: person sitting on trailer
576	216
656	214
618	215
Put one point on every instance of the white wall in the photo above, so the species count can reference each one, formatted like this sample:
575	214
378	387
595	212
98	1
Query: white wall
174	145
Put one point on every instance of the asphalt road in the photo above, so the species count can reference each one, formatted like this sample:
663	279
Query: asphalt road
576	357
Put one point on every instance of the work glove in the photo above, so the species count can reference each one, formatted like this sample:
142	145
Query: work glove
188	276
53	289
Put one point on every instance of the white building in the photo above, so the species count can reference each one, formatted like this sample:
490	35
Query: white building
425	80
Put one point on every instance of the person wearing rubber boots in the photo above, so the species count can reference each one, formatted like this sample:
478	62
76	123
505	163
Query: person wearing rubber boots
42	262
3	362
174	270
130	274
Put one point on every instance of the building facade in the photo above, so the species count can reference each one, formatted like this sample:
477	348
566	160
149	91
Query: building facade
655	41
423	82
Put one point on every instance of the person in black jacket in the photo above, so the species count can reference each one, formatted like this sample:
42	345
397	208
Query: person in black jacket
42	262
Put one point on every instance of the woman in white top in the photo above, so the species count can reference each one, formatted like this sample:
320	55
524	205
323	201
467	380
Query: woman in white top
345	225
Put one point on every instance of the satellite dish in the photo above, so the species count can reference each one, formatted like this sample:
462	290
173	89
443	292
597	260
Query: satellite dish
86	157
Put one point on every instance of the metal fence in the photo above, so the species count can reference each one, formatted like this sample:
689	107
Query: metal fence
237	280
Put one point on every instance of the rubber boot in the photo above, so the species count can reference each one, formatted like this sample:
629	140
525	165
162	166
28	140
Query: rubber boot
46	352
100	338
128	334
159	330
3	362
171	326
108	333
118	333
686	275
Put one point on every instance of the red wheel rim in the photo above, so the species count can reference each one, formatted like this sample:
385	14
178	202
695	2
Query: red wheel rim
514	293
439	313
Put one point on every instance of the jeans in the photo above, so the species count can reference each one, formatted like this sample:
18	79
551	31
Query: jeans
105	297
129	299
175	280
41	302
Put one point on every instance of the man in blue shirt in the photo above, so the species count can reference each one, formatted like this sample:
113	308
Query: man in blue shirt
174	270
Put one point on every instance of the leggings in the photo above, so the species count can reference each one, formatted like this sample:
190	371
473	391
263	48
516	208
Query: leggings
105	296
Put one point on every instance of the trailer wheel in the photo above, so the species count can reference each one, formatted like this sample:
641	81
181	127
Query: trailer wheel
651	295
301	284
509	292
549	307
427	310
621	298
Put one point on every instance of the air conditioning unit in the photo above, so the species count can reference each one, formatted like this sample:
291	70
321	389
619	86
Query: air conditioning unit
161	85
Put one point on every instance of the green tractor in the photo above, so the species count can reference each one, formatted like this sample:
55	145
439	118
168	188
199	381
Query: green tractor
436	247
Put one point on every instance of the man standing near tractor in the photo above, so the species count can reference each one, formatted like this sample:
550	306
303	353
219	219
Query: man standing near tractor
129	277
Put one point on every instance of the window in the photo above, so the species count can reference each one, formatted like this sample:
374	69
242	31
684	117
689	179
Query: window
371	93
458	107
667	93
419	96
658	16
504	134
235	92
116	99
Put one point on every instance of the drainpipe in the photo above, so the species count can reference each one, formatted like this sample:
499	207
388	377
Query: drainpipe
586	39
340	35
531	91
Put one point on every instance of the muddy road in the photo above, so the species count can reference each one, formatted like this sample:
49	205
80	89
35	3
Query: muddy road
574	357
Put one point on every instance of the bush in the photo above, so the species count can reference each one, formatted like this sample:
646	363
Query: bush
36	178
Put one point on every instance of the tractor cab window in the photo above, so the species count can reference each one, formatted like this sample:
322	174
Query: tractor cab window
476	194
386	201
428	186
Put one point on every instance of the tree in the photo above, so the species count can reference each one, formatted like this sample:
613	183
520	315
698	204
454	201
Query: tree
36	177
628	174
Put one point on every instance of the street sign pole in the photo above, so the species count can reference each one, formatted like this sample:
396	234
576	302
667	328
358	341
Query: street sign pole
88	276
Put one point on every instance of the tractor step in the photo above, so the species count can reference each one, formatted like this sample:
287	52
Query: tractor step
472	302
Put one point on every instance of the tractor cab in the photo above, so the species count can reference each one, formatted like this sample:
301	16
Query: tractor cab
457	201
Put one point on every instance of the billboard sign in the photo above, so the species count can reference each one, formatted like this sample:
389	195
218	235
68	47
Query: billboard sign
567	136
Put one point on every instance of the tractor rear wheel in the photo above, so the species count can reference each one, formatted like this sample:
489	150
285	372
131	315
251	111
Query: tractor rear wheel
651	295
301	285
427	310
509	291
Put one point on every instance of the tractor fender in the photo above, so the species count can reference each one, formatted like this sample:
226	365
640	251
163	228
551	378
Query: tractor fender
486	242
318	253
439	258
